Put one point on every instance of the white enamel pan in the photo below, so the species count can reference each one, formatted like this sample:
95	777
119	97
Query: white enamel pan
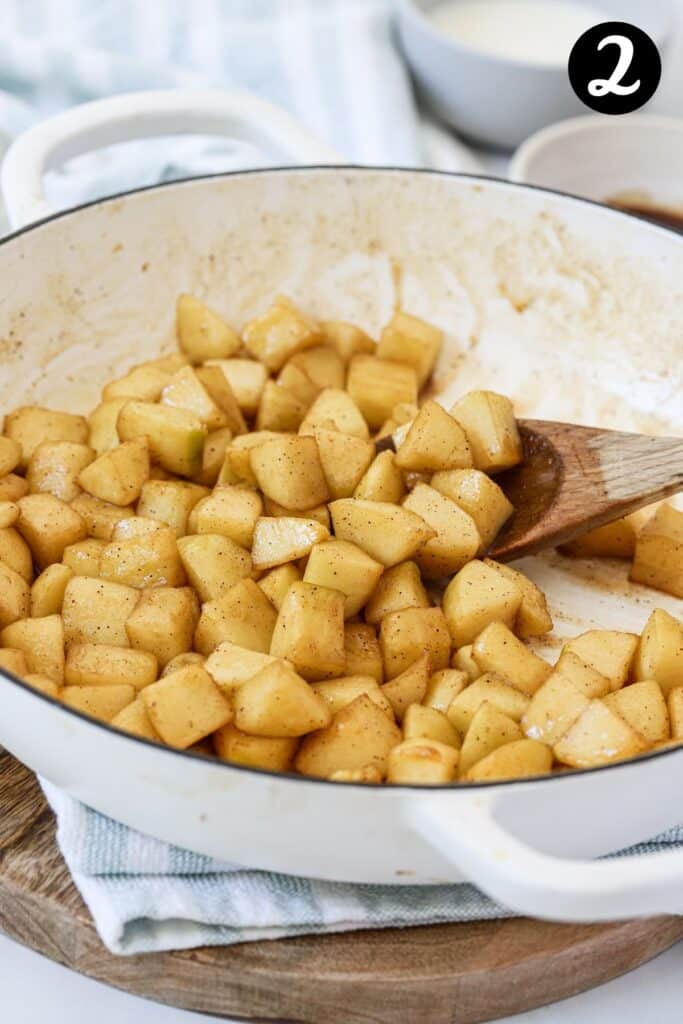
574	309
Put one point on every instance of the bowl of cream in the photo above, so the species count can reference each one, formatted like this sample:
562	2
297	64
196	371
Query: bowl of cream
496	70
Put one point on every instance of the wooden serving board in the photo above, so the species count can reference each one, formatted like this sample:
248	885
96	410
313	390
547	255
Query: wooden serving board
445	974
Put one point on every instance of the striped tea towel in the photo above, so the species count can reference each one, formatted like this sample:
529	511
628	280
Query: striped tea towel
147	896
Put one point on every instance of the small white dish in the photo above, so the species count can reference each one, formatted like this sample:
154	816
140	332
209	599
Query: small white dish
497	100
635	160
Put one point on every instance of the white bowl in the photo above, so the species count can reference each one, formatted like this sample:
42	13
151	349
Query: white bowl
496	100
637	158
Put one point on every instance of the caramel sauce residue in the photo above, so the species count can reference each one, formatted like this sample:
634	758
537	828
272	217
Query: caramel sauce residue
640	204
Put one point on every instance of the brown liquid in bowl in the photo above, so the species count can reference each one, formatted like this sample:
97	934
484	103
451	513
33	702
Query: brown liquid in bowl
668	218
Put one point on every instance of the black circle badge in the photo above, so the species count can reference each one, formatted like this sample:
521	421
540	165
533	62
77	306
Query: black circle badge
614	67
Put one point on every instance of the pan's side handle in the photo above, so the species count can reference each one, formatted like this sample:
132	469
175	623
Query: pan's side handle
537	884
237	115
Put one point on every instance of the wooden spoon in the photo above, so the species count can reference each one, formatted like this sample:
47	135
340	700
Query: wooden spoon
574	478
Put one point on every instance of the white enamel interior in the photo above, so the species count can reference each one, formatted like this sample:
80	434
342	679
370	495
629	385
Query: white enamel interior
574	310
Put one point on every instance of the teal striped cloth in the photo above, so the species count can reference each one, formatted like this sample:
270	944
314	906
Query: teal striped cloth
147	896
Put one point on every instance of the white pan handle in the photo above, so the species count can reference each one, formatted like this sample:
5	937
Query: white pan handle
238	115
537	884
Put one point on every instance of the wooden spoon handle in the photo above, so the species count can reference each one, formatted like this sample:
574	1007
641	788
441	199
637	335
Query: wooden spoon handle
574	479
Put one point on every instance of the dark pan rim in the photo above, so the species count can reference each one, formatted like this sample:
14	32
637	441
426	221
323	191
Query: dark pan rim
334	169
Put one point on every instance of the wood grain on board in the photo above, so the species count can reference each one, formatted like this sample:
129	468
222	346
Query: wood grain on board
444	974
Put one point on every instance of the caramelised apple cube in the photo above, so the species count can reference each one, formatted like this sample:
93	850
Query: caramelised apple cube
186	706
170	502
213	563
103	702
135	720
83	558
102	433
427	723
457	539
54	468
608	651
488	730
288	470
584	677
359	736
424	762
463	661
337	693
407	339
323	365
310	631
520	759
434	442
279	409
47	593
599	736
554	708
48	526
218	388
643	706
202	333
409	687
377	385
42	641
348	339
247	379
408	634
382	481
185	390
533	617
388	533
398	588
151	560
14	661
488	420
12	487
162	622
15	596
117	476
479	496
100	517
10	455
95	611
107	665
476	596
511	701
176	436
443	687
15	553
275	755
334	409
278	334
658	558
282	539
144	382
362	653
31	425
243	616
344	460
342	566
230	666
498	650
277	702
276	582
659	654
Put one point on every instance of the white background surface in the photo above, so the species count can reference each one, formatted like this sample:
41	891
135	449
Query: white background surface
34	990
